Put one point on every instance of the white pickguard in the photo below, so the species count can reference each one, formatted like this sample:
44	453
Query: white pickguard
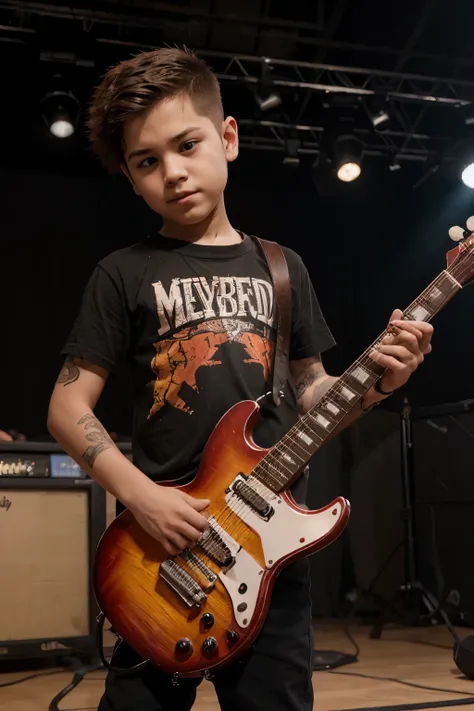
244	571
285	532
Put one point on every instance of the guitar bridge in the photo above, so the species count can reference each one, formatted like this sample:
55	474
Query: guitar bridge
182	583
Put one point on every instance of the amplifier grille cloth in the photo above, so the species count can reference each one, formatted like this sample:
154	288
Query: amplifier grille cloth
45	565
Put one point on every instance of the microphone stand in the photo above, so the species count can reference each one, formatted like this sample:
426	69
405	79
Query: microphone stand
412	602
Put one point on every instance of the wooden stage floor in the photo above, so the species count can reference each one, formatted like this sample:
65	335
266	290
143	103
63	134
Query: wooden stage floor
406	654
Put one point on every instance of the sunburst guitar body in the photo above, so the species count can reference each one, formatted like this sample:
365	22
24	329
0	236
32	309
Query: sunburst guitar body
200	610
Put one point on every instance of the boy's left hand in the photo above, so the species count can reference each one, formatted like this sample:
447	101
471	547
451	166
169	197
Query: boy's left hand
402	352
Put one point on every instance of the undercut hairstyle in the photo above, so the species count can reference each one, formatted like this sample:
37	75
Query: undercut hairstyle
135	85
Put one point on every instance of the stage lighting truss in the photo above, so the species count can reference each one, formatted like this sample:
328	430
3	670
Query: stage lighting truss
409	101
390	132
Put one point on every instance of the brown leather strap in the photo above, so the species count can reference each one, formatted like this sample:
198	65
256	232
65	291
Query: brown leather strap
278	267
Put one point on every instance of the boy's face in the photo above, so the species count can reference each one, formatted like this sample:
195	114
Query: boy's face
180	153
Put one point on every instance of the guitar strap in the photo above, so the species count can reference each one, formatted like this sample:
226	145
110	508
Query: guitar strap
279	273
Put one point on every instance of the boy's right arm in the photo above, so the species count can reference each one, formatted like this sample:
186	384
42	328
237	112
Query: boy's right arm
169	515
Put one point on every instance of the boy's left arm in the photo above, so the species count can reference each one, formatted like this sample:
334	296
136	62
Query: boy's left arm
400	354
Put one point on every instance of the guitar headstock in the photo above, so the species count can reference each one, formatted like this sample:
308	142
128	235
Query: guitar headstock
460	259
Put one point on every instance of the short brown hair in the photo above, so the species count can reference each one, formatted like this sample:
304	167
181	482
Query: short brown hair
136	84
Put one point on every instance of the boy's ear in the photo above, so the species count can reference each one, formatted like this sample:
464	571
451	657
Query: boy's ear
126	172
230	138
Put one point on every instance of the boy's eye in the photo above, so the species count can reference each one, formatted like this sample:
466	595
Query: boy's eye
145	164
188	146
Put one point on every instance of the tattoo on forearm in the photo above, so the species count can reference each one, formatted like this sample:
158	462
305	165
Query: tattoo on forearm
69	373
305	373
97	434
302	385
322	388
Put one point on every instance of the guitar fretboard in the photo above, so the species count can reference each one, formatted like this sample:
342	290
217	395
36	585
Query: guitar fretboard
283	463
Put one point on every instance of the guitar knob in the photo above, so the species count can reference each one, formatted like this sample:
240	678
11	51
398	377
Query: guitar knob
232	636
183	646
209	646
207	620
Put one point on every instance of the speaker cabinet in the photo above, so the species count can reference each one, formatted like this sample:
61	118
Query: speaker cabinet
443	444
49	531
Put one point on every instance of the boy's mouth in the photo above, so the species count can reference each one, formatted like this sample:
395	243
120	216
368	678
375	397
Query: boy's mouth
183	196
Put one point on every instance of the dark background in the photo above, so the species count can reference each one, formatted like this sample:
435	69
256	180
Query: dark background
370	246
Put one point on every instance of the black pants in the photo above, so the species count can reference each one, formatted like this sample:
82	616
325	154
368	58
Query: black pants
275	674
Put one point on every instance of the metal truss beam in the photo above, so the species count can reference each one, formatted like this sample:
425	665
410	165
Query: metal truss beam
411	96
260	134
151	11
358	81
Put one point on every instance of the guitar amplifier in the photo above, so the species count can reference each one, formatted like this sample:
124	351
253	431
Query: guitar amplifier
443	446
51	522
49	530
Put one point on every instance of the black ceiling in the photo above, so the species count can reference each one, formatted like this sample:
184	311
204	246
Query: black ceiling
417	53
422	36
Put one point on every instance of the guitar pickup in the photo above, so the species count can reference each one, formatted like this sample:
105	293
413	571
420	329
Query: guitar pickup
253	499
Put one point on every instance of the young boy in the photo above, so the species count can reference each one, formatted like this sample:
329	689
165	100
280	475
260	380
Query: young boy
191	310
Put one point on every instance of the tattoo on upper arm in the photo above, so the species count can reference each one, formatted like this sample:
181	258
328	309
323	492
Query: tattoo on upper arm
69	373
97	434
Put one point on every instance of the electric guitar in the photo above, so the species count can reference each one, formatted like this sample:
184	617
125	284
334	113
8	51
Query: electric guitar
200	610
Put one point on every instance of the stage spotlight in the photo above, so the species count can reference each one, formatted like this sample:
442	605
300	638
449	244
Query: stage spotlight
380	120
60	111
378	112
292	157
268	101
467	175
267	97
348	152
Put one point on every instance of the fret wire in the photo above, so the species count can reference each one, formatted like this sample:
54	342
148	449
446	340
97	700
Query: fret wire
281	449
276	473
314	432
267	474
271	454
320	428
264	465
292	451
267	461
296	441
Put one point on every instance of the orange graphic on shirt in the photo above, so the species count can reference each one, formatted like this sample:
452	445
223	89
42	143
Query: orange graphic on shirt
179	358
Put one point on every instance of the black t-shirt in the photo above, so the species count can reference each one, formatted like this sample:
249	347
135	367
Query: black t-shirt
196	326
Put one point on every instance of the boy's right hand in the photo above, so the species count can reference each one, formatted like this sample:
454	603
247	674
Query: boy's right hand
171	517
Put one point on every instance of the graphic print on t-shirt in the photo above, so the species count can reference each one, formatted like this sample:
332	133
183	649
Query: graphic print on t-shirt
230	310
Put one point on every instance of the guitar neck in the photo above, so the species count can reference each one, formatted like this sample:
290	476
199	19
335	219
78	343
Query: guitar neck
284	462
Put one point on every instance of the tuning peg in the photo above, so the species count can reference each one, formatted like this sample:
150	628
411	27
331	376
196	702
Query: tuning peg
456	233
470	224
